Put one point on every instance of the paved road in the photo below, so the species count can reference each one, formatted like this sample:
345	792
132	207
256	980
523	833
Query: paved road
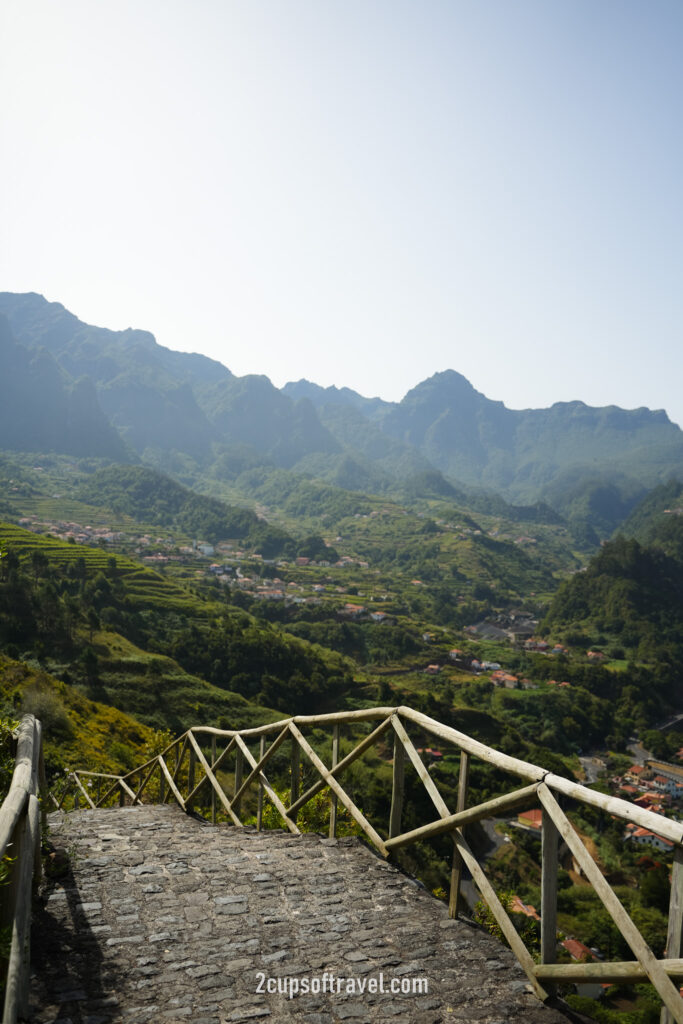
162	918
640	754
591	769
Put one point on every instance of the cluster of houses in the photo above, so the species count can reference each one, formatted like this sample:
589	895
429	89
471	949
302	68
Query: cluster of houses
359	611
76	532
654	786
540	646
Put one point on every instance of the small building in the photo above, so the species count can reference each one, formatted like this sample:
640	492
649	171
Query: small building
506	679
669	771
517	907
644	837
354	611
577	950
531	819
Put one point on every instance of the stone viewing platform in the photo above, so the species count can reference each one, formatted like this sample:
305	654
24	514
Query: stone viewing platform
158	916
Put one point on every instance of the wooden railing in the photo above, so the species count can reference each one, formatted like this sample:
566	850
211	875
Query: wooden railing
191	764
20	843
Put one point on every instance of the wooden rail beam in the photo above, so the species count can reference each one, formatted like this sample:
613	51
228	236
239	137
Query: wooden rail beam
467	817
259	765
82	789
397	787
259	805
215	784
333	795
341	793
338	768
125	789
419	766
506	926
171	783
213	791
549	864
625	971
16	991
654	970
294	772
270	792
457	861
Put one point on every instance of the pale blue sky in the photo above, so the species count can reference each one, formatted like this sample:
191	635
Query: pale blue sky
361	192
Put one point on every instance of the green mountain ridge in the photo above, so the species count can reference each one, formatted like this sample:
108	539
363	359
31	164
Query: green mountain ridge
42	408
189	416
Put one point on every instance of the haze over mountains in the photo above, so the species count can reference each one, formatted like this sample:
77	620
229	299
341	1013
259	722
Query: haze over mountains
74	388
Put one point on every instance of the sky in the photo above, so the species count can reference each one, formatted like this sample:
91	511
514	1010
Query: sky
359	192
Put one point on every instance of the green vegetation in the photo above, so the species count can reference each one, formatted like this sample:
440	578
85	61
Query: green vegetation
151	497
126	635
354	542
629	601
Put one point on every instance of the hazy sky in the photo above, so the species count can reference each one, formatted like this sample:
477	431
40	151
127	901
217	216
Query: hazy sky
361	192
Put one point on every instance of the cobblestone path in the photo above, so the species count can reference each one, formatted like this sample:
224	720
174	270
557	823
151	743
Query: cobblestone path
163	918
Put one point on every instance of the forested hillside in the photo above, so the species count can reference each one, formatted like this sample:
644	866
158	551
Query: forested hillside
152	497
631	595
126	635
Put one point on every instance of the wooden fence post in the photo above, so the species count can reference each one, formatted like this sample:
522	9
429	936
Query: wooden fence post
259	806
295	772
190	776
333	795
457	863
239	771
398	781
674	939
213	791
549	843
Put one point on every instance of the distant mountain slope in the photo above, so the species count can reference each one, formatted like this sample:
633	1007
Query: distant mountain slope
520	453
162	401
658	519
592	464
321	397
187	414
43	409
152	497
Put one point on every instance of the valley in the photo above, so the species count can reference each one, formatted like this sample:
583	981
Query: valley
221	552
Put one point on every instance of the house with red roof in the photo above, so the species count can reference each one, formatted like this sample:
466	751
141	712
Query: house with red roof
517	907
577	950
644	837
532	819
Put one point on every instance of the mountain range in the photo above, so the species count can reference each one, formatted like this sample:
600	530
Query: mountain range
74	388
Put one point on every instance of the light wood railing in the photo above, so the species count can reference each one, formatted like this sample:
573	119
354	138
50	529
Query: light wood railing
188	768
20	825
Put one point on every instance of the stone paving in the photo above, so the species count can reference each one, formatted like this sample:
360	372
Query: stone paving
161	917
